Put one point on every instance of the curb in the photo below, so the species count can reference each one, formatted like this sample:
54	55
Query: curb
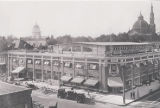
131	101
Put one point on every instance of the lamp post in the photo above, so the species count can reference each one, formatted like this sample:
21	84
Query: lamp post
59	73
124	102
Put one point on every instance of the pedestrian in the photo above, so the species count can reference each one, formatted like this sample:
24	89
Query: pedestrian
131	95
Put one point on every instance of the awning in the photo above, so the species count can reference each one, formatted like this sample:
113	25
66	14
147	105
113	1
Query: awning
91	82
2	64
19	79
18	70
78	80
66	78
115	82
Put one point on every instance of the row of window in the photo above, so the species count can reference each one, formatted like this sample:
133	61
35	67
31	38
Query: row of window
129	47
91	66
131	59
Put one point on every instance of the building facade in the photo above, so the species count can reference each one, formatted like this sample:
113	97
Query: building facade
99	66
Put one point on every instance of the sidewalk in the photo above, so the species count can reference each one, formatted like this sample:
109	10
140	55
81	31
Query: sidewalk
116	99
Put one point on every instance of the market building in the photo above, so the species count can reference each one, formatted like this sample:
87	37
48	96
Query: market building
100	66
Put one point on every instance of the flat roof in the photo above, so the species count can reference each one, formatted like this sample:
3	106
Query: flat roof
6	88
111	43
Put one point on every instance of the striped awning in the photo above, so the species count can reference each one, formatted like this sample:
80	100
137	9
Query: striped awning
66	78
2	63
90	82
115	82
77	80
18	70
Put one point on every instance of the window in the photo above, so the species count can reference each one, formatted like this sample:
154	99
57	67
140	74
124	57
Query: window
46	62
79	66
21	61
56	63
68	64
29	61
38	62
114	68
14	60
93	66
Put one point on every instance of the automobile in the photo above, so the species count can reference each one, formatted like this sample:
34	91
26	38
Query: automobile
61	93
32	86
71	95
80	98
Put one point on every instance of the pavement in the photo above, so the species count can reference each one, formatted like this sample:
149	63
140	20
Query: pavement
116	99
150	101
50	100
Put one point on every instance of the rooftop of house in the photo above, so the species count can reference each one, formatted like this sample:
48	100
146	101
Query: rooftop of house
6	88
111	43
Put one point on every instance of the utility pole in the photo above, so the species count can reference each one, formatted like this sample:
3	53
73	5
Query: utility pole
124	102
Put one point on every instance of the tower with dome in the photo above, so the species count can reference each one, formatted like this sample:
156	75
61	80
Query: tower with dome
36	32
141	27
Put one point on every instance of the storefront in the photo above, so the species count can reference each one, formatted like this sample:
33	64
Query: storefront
115	84
19	72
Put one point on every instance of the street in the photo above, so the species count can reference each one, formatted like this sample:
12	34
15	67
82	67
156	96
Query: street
150	101
49	100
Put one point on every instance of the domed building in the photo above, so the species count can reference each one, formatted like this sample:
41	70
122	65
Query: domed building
36	32
141	27
36	40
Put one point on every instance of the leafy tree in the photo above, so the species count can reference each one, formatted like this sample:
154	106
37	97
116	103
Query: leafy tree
64	39
51	40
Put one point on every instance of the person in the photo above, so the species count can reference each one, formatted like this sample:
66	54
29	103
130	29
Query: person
131	95
88	92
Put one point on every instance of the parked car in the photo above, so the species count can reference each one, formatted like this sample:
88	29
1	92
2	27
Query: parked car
80	98
61	93
32	86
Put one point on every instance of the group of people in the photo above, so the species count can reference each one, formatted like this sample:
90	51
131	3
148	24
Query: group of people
132	95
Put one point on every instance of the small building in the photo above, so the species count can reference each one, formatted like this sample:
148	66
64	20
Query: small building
12	96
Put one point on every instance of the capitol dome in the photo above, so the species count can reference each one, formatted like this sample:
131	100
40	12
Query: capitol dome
140	26
36	32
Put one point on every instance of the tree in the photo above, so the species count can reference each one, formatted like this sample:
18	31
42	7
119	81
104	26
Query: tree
51	40
3	44
64	39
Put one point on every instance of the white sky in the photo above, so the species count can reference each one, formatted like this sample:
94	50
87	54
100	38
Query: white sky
77	18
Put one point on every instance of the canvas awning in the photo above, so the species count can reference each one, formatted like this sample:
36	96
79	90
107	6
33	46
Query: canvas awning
66	78
2	64
115	82
91	82
18	70
77	80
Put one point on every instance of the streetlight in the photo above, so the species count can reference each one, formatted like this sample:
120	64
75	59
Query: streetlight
123	84
59	73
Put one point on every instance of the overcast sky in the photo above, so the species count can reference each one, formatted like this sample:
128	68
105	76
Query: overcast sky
88	18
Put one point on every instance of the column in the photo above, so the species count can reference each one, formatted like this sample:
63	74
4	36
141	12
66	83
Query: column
100	74
11	65
62	65
104	75
81	49
42	68
86	68
73	66
51	68
33	68
8	65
